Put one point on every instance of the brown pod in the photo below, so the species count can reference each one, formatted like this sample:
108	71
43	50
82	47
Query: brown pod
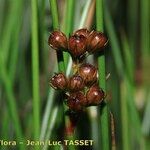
89	73
96	41
59	81
58	41
76	83
77	45
75	101
83	32
94	96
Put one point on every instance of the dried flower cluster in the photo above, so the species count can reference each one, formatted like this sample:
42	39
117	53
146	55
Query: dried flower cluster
81	88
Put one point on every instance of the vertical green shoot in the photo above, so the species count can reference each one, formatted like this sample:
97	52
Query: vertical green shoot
35	70
101	68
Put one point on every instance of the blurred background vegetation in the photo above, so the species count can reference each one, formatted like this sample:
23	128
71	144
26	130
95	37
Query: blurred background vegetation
30	109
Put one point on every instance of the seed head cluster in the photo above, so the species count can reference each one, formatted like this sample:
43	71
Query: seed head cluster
81	88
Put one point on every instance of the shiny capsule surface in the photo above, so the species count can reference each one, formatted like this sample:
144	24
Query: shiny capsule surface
58	41
59	81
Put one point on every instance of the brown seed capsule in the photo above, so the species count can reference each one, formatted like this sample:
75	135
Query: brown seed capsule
59	81
58	41
89	73
83	32
76	83
96	41
77	45
75	101
94	95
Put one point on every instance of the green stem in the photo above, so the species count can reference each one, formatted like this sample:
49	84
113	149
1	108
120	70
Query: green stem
35	70
124	116
132	23
5	126
129	62
101	69
11	103
69	23
7	30
114	42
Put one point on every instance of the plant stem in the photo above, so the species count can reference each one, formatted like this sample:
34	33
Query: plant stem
129	62
132	23
114	43
51	125
101	69
69	17
124	116
69	20
12	107
35	70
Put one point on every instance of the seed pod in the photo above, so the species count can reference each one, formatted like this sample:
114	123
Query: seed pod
94	95
96	41
75	101
59	81
77	45
58	41
83	32
76	83
89	73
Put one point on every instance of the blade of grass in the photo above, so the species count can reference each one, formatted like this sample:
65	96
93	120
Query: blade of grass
130	83
11	102
47	113
41	35
5	126
119	65
128	55
15	42
2	8
145	42
145	29
101	69
69	23
17	25
146	121
35	70
132	23
69	17
114	42
133	113
8	28
124	117
51	125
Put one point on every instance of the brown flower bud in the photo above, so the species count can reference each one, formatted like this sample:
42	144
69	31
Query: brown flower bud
59	81
77	45
83	32
75	101
76	83
89	73
94	96
58	41
96	41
